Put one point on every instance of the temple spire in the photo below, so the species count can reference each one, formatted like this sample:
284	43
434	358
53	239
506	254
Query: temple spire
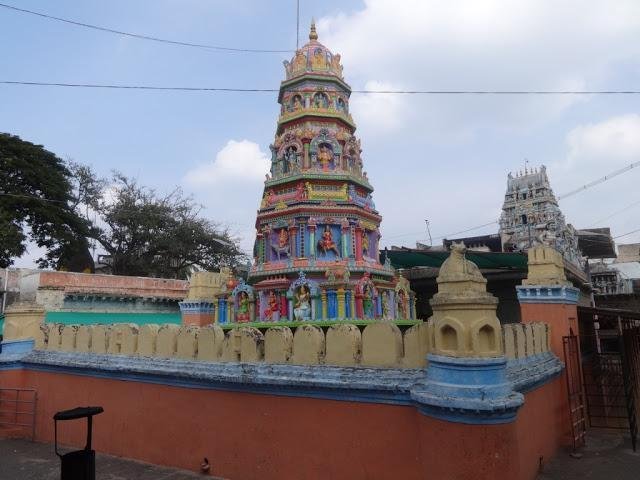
313	35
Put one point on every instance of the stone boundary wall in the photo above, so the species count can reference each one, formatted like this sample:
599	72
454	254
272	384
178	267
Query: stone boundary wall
114	285
379	344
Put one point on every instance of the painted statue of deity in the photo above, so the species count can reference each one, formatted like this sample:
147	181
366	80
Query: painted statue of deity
402	304
367	302
242	314
272	310
281	247
325	156
319	60
297	104
326	243
365	243
302	305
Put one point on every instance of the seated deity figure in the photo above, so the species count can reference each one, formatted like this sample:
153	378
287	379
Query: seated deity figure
272	307
243	307
324	157
319	60
297	104
302	305
326	243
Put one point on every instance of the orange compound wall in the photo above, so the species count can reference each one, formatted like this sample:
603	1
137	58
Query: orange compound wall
560	317
257	436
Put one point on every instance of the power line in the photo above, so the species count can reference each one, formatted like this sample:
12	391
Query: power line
600	180
624	209
628	233
364	91
143	37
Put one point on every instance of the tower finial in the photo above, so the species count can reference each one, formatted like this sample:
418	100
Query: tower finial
313	35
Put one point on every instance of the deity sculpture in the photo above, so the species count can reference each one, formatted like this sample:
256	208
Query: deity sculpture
243	307
282	246
326	243
320	100
302	305
291	156
402	304
319	60
367	302
365	243
272	307
283	238
324	157
297	104
299	62
335	64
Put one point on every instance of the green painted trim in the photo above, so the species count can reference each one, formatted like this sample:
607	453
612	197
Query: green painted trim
306	112
92	318
311	175
322	323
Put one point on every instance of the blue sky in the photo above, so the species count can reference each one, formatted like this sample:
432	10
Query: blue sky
441	158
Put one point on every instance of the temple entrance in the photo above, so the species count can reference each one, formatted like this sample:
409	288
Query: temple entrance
609	352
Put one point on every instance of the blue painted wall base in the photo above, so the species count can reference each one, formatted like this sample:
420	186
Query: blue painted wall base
11	347
468	390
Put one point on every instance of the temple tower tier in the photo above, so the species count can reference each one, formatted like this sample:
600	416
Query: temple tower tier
316	254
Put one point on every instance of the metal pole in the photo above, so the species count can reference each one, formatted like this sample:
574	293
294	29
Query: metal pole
297	24
429	233
4	292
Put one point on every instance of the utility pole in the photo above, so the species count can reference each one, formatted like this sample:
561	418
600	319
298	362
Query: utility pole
297	24
428	232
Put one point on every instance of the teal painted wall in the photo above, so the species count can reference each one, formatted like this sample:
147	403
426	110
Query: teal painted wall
91	318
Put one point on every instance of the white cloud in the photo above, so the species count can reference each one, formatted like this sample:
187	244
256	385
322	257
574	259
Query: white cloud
615	141
237	162
379	113
230	187
488	45
594	150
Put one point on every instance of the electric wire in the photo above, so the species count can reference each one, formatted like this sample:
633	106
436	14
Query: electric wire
628	233
624	209
600	180
360	91
141	36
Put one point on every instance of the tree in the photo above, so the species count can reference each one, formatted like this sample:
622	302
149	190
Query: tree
37	204
146	234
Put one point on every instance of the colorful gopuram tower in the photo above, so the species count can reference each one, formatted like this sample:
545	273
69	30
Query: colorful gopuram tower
316	255
531	217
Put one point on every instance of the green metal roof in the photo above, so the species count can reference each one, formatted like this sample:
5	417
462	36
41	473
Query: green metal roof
425	258
91	318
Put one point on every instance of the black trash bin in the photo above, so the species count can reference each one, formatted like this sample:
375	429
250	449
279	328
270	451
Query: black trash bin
80	464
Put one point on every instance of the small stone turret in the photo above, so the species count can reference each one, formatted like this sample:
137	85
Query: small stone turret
546	267
464	314
466	378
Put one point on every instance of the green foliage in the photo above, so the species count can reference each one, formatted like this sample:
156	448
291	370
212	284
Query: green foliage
146	234
37	204
59	206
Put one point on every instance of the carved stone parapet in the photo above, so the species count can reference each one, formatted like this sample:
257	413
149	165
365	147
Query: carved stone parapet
547	294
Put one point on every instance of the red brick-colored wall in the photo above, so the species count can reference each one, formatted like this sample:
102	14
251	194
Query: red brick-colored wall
114	285
560	317
198	319
252	436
